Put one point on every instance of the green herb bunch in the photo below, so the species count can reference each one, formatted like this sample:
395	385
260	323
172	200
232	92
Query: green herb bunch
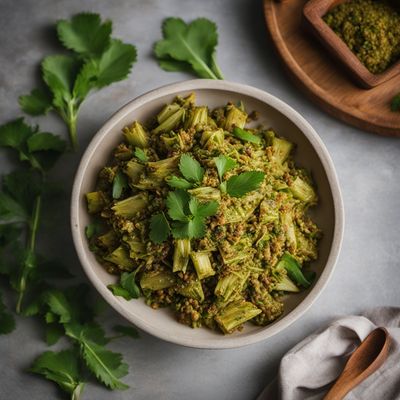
95	60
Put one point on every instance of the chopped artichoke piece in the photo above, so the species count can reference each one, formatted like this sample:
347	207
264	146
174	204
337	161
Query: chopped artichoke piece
171	122
231	284
202	264
289	229
212	138
159	170
234	117
206	193
120	257
157	280
133	169
285	284
307	248
243	207
167	111
96	201
136	135
137	249
108	240
181	255
281	150
303	191
131	206
235	314
197	118
232	254
193	290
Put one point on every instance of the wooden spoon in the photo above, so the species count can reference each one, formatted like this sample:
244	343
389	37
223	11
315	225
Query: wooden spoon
365	360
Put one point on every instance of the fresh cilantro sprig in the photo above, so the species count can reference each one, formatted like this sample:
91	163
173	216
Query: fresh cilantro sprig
188	217
237	185
63	368
246	136
395	104
189	47
127	287
192	171
95	60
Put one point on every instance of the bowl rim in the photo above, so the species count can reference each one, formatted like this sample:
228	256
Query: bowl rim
316	143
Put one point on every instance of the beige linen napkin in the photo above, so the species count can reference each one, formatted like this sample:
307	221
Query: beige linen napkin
308	370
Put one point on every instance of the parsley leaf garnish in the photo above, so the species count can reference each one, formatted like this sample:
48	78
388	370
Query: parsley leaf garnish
245	135
159	228
129	331
189	47
191	168
395	104
120	183
179	183
127	287
62	368
177	203
96	60
224	164
239	185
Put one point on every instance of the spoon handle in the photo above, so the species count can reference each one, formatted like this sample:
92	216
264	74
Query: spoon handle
365	360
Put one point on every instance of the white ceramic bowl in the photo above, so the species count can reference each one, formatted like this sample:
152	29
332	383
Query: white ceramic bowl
311	154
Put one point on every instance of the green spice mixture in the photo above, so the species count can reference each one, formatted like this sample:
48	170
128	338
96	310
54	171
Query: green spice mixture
371	29
205	216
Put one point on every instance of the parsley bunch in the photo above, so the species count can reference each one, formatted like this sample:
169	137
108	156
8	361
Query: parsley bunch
95	60
23	196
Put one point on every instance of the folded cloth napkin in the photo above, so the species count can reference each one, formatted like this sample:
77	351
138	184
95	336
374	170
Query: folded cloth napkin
308	370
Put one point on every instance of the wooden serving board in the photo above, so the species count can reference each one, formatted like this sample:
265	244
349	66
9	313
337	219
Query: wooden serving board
320	76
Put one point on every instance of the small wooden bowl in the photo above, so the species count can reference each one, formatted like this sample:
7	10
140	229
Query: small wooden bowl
313	12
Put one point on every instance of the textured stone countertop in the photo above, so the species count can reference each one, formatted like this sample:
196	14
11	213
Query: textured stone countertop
367	272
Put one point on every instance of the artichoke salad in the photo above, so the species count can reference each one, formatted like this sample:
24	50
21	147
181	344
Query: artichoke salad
204	215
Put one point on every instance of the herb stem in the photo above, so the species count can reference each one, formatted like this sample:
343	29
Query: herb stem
71	123
29	261
76	394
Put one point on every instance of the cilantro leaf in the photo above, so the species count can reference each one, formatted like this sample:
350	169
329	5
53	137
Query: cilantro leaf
224	164
177	203
37	102
202	210
106	365
395	104
7	321
127	331
245	135
194	228
191	168
85	34
239	185
62	368
140	154
40	149
54	332
93	229
115	63
117	290
58	304
159	228
179	183
128	282
189	44
120	184
97	60
15	135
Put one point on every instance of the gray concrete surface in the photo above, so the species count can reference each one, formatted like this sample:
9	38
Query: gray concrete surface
367	273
